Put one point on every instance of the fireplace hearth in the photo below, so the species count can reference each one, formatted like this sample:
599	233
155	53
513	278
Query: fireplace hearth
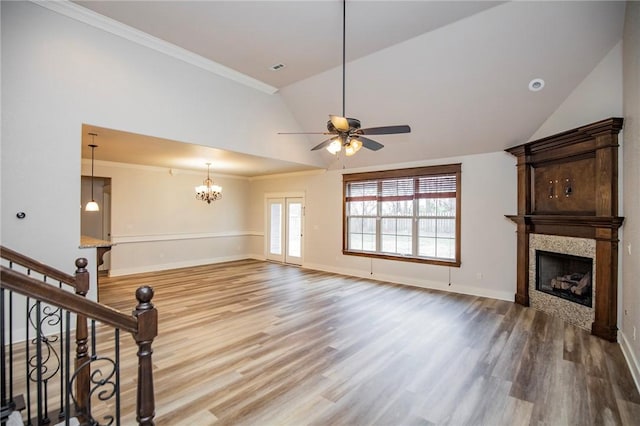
565	276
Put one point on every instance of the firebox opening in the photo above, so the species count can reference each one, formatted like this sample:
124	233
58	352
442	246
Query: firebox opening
565	276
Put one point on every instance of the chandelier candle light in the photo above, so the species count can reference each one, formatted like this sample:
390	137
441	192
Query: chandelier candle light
92	206
208	191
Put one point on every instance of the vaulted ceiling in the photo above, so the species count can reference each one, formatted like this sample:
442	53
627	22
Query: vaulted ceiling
456	72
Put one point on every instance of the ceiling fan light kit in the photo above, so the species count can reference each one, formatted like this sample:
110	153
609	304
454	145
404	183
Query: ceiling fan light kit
346	132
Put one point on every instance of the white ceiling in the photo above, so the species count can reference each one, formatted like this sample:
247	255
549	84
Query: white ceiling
125	147
250	36
456	72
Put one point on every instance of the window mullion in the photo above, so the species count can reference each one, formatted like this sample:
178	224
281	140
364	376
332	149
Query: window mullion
414	228
378	216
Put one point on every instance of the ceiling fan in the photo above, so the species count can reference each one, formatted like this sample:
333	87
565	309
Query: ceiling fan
346	132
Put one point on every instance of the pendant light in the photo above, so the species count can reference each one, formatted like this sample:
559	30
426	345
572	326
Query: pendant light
92	206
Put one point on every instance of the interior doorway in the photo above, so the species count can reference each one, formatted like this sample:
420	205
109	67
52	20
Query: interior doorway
284	240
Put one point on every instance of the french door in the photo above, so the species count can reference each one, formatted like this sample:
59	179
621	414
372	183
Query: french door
285	216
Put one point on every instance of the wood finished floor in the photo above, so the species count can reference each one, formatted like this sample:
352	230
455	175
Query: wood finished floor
259	343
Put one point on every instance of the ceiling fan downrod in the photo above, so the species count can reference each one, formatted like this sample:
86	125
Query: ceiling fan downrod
344	53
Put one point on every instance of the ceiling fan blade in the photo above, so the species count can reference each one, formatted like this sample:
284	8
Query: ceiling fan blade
385	130
340	123
370	143
304	133
323	144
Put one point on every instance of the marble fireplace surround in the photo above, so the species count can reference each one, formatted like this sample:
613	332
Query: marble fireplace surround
571	312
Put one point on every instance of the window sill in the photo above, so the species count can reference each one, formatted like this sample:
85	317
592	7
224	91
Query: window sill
428	261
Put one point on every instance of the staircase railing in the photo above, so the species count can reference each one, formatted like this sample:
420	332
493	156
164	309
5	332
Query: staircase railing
46	356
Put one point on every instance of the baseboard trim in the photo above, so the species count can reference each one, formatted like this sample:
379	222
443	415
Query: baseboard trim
173	265
632	361
430	284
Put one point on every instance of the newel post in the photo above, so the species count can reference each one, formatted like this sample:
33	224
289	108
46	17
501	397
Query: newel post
83	371
147	316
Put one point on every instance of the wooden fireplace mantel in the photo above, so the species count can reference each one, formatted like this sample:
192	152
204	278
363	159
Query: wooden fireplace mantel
569	226
568	186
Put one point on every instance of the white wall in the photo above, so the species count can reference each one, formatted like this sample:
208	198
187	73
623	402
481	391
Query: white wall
157	223
631	170
488	239
58	73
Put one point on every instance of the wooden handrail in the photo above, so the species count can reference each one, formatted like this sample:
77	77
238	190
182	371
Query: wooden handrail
142	324
33	288
36	266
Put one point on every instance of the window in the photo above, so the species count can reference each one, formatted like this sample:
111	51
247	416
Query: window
407	214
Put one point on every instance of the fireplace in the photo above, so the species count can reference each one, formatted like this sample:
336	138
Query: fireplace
568	204
559	256
565	276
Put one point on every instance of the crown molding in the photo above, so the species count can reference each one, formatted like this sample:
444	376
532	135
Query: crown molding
160	169
289	174
81	14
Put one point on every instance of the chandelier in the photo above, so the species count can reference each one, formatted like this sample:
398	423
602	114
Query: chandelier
208	191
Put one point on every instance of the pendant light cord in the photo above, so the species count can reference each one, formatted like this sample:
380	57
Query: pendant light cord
93	148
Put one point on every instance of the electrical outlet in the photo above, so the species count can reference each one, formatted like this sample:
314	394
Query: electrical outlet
629	248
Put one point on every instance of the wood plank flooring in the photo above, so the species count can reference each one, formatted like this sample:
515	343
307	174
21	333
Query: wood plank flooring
259	343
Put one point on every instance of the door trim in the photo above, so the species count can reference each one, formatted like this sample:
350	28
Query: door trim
266	233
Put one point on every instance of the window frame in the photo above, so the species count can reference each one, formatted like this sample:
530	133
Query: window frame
410	173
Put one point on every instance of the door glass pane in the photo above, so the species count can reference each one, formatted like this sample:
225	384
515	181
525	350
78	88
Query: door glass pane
295	230
275	243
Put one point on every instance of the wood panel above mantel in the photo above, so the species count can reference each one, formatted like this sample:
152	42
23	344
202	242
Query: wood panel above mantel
568	186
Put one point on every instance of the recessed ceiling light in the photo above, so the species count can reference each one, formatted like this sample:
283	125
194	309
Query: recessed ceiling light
536	84
277	67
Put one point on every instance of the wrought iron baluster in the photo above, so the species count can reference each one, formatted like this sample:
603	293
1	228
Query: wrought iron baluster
3	371
63	356
42	378
117	355
67	368
6	399
38	362
11	395
93	339
27	352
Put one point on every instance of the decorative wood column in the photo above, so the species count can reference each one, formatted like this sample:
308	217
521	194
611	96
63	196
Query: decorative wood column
568	186
606	309
524	206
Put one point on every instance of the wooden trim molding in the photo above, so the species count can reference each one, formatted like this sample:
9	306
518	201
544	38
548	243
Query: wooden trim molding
128	239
